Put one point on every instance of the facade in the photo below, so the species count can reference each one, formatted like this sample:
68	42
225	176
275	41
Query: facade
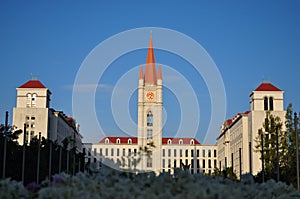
33	110
150	151
236	142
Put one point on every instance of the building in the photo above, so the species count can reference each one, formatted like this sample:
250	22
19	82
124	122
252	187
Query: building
33	110
137	153
236	142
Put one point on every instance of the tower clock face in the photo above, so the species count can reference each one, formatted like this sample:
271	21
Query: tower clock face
150	95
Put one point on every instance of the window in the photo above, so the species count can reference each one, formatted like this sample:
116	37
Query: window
169	141
118	141
123	152
169	152
31	134
106	141
118	152
106	152
163	153
175	153
192	153
32	125
101	152
180	141
149	133
33	100
169	163
198	154
149	162
215	153
149	119
203	153
95	152
32	118
28	102
271	103
192	142
203	164
163	163
186	153
27	117
215	164
209	153
209	163
265	103
134	152
174	163
129	151
129	141
180	152
112	152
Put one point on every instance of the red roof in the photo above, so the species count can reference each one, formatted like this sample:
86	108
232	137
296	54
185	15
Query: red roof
176	140
33	84
123	140
267	87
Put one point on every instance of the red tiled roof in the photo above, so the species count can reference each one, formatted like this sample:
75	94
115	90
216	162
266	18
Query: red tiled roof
176	140
33	84
123	140
267	87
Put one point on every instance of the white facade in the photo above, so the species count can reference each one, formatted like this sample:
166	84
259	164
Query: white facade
168	153
32	110
236	143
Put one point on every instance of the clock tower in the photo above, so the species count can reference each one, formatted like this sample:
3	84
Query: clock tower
150	112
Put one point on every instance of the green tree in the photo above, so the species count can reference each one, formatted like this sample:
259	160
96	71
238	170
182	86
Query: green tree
268	133
290	169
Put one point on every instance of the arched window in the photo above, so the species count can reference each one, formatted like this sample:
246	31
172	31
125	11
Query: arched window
28	102
180	141
271	103
33	100
192	142
106	141
169	141
118	141
149	119
129	141
265	103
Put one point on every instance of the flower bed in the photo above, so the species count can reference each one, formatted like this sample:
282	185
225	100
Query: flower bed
114	184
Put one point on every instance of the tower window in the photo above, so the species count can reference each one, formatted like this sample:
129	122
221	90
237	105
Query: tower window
149	119
149	133
271	103
265	103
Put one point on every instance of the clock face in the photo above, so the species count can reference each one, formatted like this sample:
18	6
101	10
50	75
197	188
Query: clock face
150	95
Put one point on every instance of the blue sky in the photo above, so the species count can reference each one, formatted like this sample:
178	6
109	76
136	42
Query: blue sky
248	41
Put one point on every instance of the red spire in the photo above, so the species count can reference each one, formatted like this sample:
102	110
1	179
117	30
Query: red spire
141	73
150	73
159	74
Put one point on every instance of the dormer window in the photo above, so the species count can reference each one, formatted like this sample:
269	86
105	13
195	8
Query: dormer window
169	141
192	142
129	141
180	141
118	141
106	141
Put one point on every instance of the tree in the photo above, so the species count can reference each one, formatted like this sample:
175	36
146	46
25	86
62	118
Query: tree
268	133
290	169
